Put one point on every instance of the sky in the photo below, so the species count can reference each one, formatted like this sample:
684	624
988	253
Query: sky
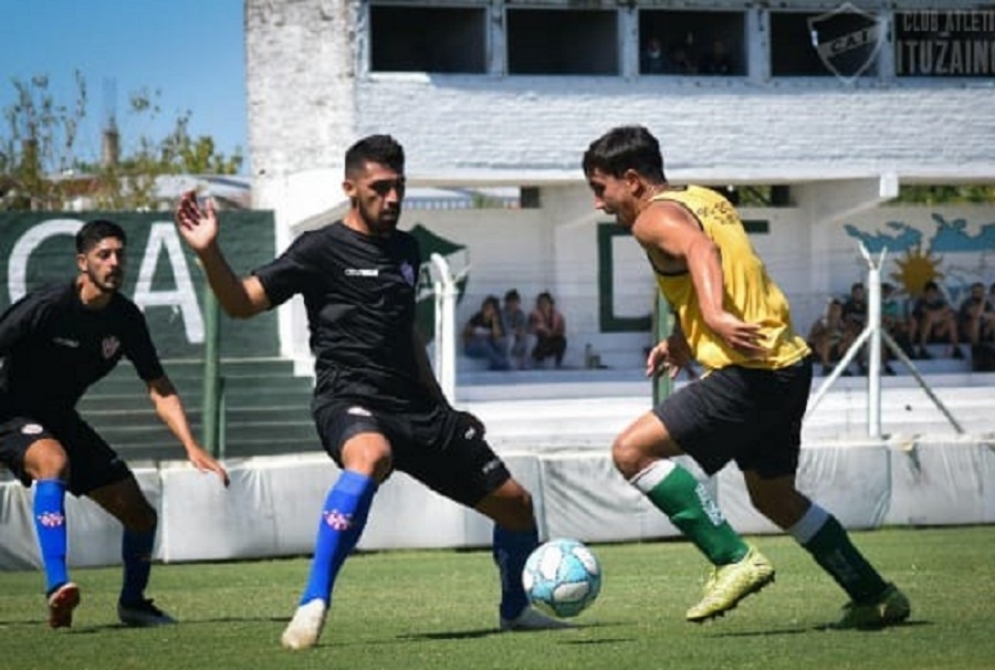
191	51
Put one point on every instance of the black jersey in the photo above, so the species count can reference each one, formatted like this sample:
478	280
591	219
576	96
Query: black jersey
359	292
53	347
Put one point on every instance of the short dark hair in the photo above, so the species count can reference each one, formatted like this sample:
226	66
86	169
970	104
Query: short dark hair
931	285
93	231
512	294
625	148
382	149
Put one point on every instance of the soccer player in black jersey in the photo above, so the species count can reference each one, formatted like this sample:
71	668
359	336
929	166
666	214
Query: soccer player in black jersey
54	344
377	406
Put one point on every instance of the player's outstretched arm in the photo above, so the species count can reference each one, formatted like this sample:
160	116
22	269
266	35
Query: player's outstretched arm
240	298
169	408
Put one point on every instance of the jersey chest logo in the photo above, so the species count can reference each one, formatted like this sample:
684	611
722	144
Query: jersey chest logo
110	345
408	273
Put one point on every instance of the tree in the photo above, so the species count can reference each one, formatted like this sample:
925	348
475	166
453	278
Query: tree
945	195
41	168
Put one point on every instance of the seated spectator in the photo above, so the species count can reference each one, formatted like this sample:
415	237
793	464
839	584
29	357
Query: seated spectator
894	320
681	61
516	326
484	337
829	337
935	321
976	317
654	60
716	61
549	328
855	320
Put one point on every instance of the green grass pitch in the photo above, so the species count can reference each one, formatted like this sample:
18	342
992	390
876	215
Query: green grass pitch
437	609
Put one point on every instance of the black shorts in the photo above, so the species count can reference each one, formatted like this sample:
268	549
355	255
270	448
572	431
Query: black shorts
751	416
439	448
92	462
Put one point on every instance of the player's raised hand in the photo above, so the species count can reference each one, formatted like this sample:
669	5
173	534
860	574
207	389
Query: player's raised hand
198	225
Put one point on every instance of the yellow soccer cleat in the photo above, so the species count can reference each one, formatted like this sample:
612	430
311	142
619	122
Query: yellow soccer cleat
891	608
728	584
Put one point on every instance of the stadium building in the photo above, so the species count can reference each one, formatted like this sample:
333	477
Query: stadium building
821	109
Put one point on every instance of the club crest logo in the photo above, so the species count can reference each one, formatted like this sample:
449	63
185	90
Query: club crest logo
847	40
51	519
408	273
109	346
336	520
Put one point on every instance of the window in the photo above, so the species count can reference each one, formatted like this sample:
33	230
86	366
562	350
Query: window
952	43
704	43
841	43
550	41
428	39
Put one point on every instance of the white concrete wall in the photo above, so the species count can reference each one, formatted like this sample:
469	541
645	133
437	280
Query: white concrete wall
789	130
272	505
310	95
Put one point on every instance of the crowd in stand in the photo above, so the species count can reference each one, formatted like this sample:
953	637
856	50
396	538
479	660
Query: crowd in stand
913	322
509	339
684	56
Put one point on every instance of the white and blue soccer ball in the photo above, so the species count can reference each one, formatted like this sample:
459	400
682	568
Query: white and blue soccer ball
562	577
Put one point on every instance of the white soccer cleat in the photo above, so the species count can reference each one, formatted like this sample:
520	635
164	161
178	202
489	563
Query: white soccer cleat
304	629
533	619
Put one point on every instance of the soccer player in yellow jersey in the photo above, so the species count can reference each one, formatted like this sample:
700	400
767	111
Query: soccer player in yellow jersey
748	407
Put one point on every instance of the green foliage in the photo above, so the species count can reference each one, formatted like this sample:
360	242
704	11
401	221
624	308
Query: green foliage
945	195
41	167
437	610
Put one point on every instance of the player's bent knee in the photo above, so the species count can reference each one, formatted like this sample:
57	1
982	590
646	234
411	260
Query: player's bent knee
510	506
628	458
46	459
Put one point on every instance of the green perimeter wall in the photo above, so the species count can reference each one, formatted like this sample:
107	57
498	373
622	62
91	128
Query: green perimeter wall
162	276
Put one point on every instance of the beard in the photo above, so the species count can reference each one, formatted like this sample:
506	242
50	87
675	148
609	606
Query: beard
109	283
382	223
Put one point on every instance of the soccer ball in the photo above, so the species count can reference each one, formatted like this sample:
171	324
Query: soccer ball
562	577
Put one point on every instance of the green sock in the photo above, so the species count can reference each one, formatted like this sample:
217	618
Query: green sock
686	502
823	537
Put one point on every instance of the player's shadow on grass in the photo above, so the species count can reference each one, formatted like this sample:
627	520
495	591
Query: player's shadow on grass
822	628
486	632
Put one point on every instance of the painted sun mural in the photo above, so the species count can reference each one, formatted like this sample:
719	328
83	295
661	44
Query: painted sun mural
952	255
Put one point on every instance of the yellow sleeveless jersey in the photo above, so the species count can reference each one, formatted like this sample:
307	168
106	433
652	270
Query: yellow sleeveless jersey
749	293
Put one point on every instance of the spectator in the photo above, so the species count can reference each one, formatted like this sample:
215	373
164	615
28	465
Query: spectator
855	319
484	336
829	338
935	321
549	328
894	321
977	317
516	327
654	60
716	61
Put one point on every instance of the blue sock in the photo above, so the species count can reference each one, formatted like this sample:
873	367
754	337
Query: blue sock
136	552
342	521
50	523
510	550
